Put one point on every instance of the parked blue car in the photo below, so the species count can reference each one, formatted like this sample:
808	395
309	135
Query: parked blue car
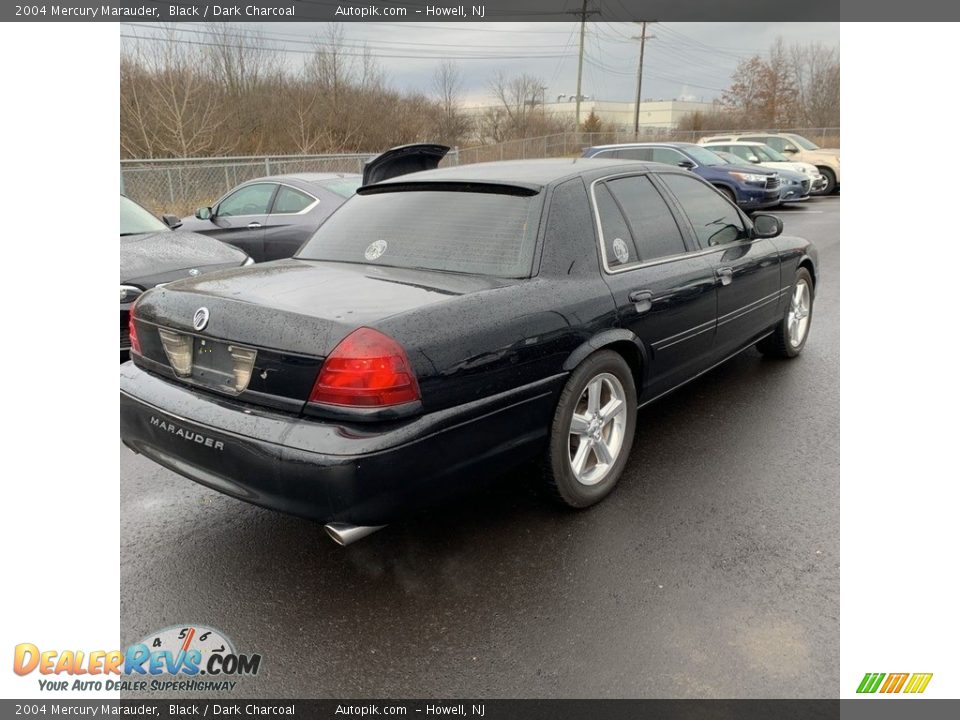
794	186
747	186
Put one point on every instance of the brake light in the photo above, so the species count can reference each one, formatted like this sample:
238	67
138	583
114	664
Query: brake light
132	331
367	369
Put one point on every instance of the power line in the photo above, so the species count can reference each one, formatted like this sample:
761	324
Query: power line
313	42
348	54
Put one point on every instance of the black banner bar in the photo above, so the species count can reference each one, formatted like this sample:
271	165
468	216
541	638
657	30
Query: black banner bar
477	10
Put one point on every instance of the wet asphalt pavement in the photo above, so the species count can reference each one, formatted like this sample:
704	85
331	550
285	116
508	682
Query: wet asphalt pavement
711	571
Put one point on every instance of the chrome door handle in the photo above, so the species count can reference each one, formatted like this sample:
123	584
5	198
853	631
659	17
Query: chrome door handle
642	300
254	225
725	274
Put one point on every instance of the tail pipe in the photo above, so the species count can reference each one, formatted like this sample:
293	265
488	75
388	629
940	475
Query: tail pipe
344	534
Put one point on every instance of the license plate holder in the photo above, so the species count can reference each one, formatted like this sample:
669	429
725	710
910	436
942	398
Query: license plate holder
222	366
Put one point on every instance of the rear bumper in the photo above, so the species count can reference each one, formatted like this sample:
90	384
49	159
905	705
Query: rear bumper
327	471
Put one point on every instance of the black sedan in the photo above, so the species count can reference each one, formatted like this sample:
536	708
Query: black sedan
270	218
151	255
447	324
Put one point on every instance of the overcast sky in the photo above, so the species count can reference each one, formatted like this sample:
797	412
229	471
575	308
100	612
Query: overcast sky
683	59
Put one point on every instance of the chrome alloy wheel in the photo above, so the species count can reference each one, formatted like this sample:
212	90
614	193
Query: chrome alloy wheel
798	317
597	428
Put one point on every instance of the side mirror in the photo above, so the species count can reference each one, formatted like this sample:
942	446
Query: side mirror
790	150
767	226
203	213
685	164
754	159
171	221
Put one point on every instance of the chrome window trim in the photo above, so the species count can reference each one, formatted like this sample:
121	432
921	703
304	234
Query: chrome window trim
651	263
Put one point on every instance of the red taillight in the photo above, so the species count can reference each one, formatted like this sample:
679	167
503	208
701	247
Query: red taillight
132	327
367	369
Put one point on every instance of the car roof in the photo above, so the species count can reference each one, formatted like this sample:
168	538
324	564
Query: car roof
310	178
531	174
645	144
735	142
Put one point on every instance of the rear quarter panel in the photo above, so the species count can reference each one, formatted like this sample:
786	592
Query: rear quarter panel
493	341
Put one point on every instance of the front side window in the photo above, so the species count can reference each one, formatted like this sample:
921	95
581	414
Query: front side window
804	143
248	200
715	221
742	152
777	143
458	229
653	226
768	154
668	156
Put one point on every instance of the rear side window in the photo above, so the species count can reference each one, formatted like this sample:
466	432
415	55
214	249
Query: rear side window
715	221
618	245
483	233
636	154
290	201
653	226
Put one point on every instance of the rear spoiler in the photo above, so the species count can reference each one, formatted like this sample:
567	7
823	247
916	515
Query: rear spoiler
402	160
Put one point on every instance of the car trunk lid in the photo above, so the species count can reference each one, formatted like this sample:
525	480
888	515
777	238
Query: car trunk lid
262	333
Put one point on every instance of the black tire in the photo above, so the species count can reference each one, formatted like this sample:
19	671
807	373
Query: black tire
779	343
727	193
561	481
831	177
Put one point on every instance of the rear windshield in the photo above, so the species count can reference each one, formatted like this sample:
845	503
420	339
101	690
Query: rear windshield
135	219
482	233
345	187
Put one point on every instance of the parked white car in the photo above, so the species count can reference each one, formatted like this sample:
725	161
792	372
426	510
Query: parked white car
766	156
797	147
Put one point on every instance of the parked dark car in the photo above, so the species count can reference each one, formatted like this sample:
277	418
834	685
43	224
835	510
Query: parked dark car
448	324
150	255
270	218
750	187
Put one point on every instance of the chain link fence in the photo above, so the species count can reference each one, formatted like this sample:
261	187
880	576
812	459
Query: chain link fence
180	185
571	144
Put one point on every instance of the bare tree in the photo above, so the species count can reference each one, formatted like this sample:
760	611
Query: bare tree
450	125
816	71
171	90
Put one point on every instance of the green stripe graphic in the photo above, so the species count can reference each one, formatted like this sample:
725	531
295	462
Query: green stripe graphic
870	682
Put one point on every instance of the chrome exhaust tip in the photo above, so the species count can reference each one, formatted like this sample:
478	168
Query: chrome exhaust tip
344	534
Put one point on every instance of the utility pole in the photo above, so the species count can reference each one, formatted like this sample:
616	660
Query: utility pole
636	109
583	31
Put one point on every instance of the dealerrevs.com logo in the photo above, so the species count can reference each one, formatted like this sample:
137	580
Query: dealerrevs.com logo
911	683
178	658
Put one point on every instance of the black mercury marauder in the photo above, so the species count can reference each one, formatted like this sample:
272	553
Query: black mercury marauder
446	324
